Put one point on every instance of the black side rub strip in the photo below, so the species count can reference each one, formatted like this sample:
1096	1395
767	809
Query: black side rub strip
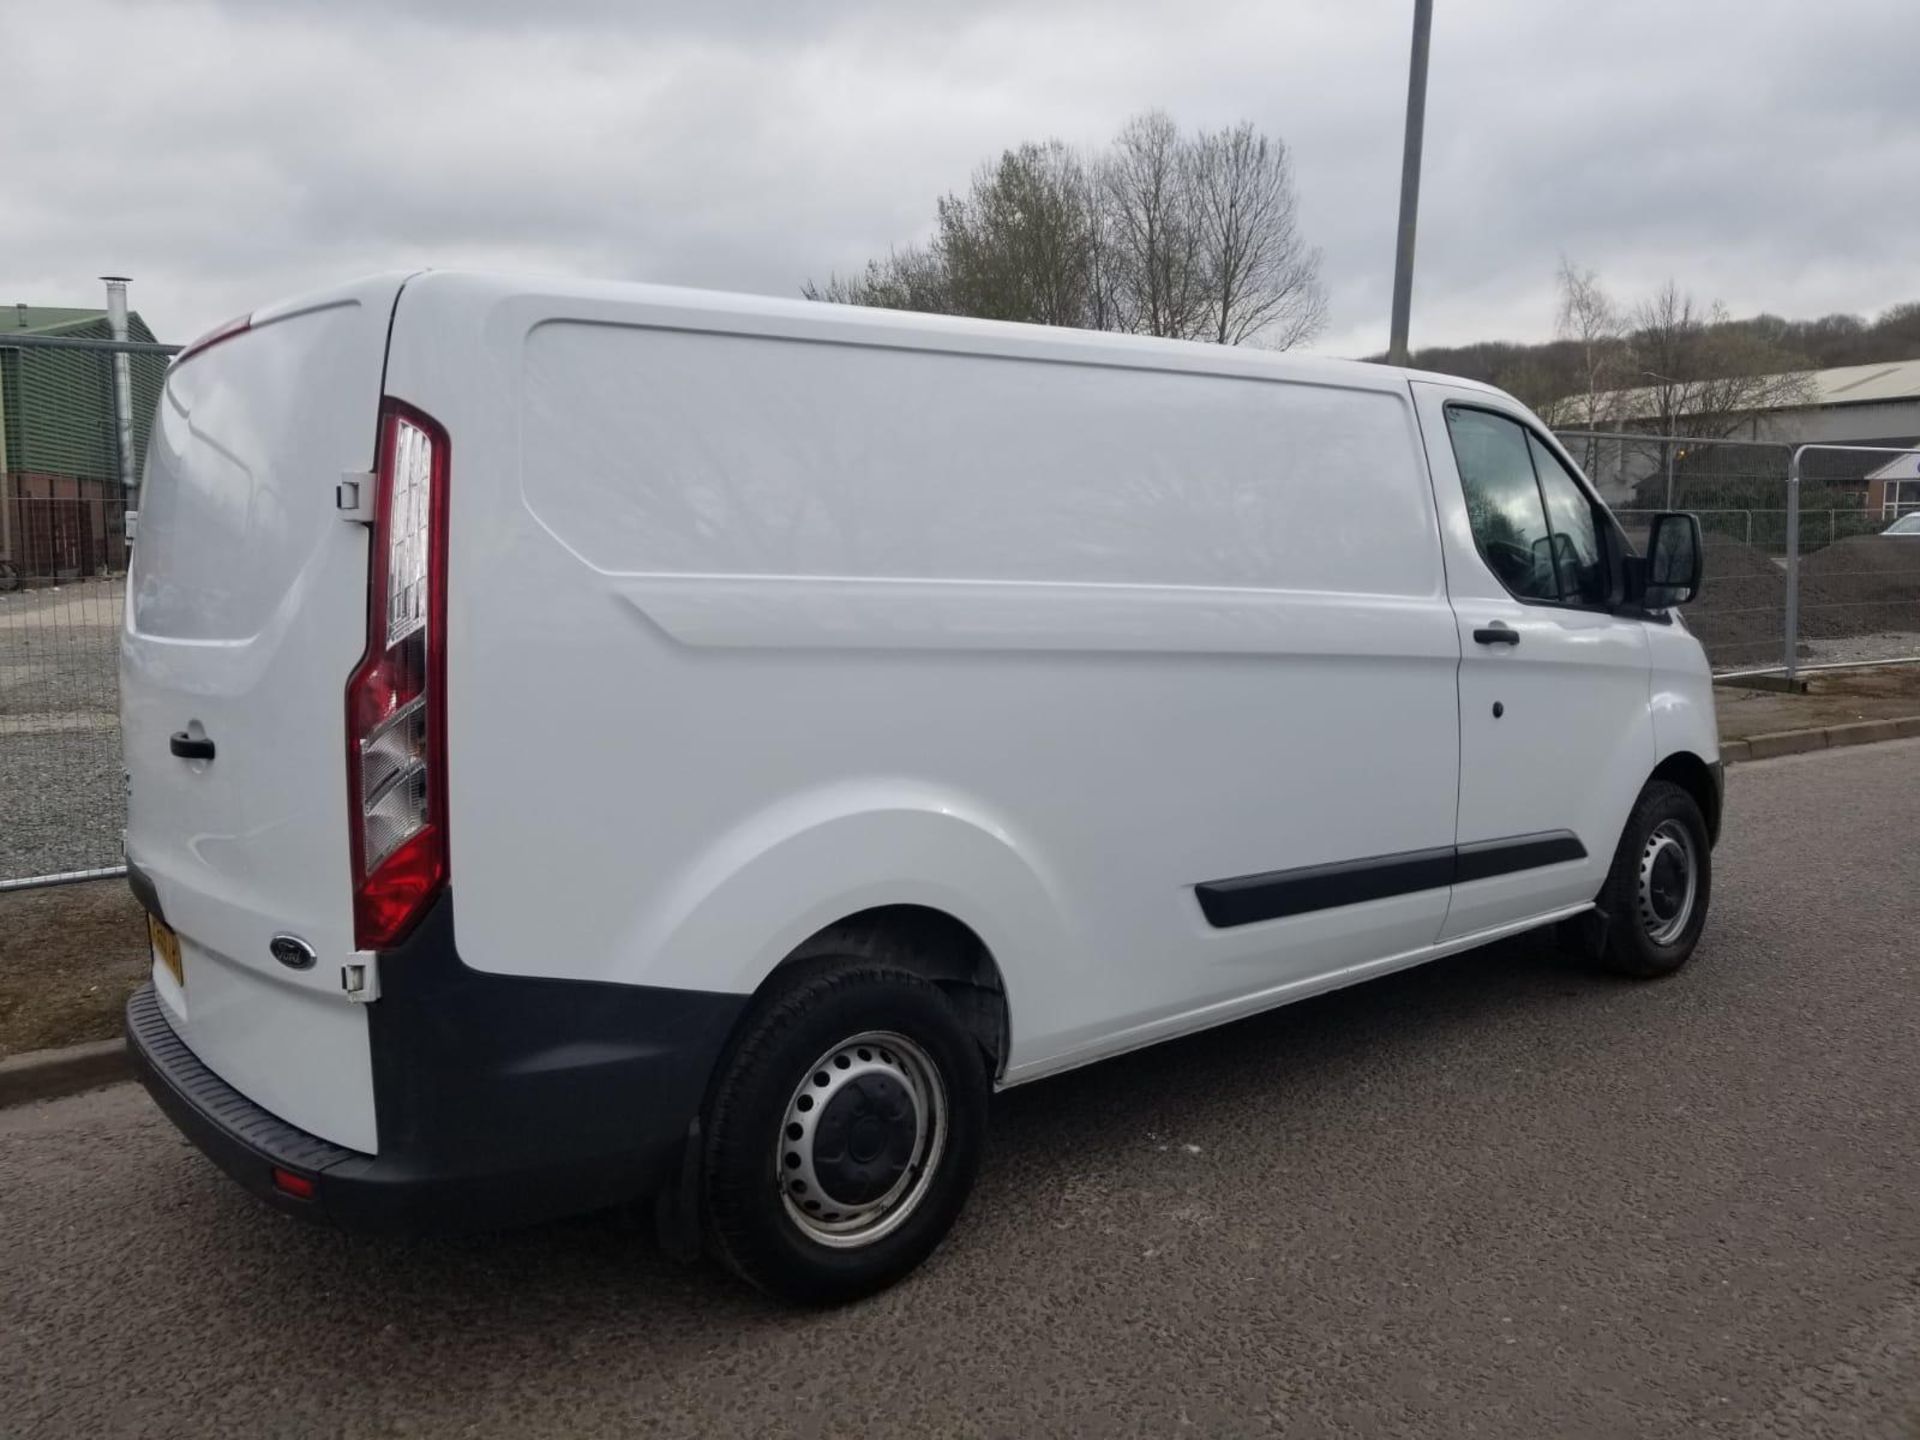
1247	899
1485	859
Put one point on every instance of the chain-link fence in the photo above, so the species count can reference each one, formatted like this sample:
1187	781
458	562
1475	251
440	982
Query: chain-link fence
1801	571
68	449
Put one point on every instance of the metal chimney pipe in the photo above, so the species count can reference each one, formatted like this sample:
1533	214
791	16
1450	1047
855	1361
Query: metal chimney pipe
122	383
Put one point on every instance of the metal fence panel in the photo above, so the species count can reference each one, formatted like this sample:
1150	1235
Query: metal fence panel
1795	543
1855	591
64	547
60	695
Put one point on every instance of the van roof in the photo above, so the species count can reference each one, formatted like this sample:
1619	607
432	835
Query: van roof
689	306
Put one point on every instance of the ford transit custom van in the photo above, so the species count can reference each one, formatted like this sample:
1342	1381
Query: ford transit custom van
596	743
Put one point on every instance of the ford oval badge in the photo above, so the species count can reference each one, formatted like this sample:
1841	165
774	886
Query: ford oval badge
293	952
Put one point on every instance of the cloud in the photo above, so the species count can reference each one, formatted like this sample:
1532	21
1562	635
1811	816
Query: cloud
227	154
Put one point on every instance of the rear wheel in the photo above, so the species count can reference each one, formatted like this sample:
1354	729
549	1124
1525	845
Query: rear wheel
843	1133
1654	903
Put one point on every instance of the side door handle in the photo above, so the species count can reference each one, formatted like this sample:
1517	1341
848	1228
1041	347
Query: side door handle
1497	634
187	748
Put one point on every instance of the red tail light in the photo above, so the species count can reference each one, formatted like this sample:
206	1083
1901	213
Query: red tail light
396	700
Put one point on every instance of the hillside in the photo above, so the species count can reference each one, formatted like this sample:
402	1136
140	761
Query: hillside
1537	373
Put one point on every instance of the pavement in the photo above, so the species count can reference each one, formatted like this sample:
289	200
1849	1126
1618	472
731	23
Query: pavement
1833	697
1496	1196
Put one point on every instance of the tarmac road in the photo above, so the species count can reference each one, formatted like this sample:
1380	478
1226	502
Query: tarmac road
1496	1196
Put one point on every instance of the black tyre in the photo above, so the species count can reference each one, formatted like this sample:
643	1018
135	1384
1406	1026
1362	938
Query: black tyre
1654	903
843	1132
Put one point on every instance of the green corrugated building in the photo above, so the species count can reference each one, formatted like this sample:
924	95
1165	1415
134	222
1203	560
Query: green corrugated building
56	406
61	503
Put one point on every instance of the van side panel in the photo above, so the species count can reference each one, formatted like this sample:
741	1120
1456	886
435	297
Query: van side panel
749	455
758	619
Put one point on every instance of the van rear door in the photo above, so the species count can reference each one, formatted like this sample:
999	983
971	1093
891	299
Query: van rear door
246	614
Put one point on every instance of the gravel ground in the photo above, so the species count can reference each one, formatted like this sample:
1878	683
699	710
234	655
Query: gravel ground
59	651
1861	649
1496	1196
62	801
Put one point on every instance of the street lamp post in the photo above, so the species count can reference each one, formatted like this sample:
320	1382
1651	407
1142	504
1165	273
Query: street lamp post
1410	181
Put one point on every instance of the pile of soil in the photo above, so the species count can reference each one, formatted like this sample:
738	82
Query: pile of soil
1864	585
1741	613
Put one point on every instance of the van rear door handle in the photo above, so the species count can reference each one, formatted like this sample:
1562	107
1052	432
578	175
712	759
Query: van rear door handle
188	748
1497	634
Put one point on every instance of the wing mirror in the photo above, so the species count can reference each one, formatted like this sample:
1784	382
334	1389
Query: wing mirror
1675	559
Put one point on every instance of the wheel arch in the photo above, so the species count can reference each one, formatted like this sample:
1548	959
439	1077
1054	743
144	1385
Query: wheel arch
1699	779
929	942
933	881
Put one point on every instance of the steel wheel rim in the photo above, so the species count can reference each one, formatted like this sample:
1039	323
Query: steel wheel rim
809	1166
1669	882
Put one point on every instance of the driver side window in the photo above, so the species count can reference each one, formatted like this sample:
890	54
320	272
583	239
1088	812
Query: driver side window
1509	518
1534	525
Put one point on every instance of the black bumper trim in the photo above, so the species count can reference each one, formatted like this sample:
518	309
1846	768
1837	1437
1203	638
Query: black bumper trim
499	1100
244	1140
141	884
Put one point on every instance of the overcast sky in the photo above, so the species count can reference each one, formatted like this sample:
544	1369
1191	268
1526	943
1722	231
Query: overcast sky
1763	152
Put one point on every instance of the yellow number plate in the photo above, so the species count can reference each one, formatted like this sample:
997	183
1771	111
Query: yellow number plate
166	948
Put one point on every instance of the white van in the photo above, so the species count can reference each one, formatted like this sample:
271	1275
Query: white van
598	742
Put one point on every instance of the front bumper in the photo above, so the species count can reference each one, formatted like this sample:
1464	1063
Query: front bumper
499	1100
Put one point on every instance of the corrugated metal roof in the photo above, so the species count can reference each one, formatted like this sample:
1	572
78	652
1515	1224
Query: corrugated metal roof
1858	384
55	319
1842	385
45	317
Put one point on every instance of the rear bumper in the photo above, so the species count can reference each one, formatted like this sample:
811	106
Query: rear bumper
500	1101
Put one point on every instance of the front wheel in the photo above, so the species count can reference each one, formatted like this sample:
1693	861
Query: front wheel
843	1132
1656	896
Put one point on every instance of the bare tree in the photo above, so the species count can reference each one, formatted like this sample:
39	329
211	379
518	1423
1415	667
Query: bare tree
1157	240
1592	335
1595	331
1700	375
1193	238
1262	278
1110	301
